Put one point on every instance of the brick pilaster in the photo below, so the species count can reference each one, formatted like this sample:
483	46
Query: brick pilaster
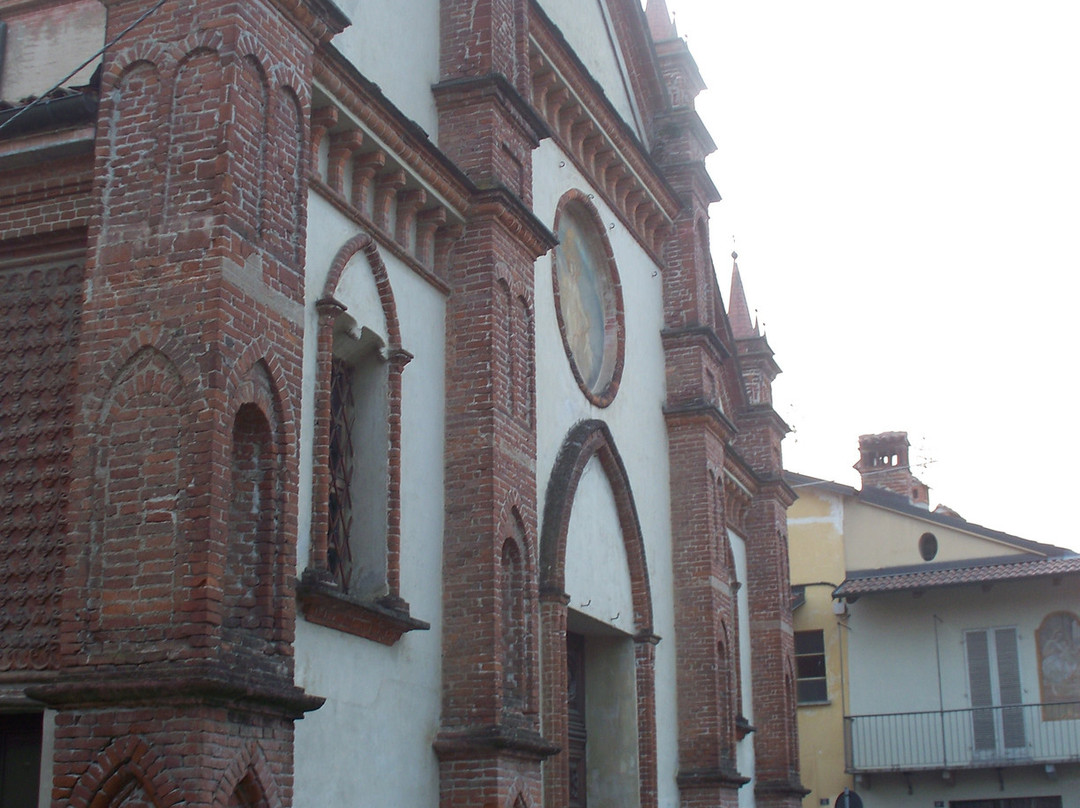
490	748
176	638
699	358
776	746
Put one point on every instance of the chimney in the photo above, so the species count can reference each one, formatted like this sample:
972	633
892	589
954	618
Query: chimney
883	464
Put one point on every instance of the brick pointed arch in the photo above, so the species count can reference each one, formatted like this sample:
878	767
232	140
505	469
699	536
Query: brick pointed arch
366	244
375	625
144	461
329	309
126	761
262	516
249	778
585	441
518	616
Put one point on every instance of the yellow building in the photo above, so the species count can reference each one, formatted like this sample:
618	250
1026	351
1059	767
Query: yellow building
937	660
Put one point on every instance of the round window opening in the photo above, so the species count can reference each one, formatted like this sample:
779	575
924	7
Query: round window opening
588	300
928	546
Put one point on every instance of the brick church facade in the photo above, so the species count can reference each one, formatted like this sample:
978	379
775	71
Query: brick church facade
373	428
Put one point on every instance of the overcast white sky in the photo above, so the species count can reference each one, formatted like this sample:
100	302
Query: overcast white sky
902	183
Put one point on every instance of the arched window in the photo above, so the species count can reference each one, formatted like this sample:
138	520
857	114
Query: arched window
358	452
353	580
514	630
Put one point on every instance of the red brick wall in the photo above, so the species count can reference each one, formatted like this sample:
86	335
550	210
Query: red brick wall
177	597
40	304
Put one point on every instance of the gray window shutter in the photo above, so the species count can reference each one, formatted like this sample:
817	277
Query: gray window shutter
1008	670
982	693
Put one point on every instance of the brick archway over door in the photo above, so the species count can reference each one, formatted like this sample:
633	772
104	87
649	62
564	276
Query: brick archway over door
585	441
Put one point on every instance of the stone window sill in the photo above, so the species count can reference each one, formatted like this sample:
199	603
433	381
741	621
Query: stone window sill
383	619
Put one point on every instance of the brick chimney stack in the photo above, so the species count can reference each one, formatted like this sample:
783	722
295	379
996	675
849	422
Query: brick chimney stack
883	463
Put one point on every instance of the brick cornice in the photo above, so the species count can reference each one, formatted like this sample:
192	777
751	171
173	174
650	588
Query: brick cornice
778	490
781	788
756	350
693	177
466	90
506	207
498	738
383	238
703	413
321	19
765	413
596	138
760	485
720	776
687	119
698	334
174	683
406	141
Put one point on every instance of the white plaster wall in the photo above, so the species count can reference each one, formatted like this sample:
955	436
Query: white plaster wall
744	750
892	655
586	25
393	692
597	573
46	41
893	668
396	45
635	419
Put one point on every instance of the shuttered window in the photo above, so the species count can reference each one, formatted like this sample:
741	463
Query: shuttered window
1008	667
993	661
981	688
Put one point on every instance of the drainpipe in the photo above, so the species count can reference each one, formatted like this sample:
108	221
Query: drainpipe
940	694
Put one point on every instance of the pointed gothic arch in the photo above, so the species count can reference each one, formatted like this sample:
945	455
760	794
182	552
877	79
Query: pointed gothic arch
586	441
354	357
248	782
125	767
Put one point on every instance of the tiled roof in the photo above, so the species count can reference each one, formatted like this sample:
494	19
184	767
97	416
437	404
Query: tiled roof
977	572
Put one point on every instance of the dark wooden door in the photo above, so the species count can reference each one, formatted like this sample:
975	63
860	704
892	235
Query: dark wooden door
575	708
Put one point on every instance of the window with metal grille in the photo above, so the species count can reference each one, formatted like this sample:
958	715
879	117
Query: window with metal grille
358	459
811	685
342	416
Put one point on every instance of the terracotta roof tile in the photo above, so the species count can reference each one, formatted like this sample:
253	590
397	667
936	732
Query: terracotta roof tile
905	580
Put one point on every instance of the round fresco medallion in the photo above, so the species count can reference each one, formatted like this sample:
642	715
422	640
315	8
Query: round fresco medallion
588	300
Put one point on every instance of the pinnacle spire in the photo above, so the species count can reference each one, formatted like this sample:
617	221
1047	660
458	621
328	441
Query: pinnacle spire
738	311
661	24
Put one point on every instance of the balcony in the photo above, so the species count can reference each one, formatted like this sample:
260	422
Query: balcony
982	737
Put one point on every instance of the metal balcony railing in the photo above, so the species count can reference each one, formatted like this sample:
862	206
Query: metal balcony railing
979	737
